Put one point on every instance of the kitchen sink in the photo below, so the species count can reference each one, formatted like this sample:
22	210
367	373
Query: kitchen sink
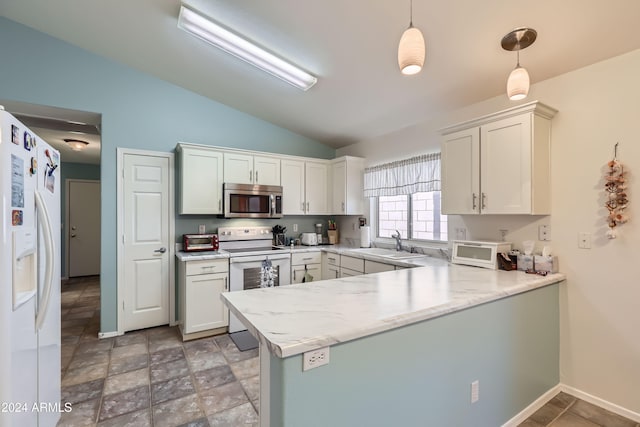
388	253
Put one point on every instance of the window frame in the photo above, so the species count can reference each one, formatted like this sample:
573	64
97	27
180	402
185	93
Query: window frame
374	208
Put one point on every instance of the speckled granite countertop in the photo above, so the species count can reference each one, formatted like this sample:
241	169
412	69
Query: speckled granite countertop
294	319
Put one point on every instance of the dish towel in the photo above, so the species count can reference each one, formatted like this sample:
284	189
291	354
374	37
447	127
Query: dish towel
267	274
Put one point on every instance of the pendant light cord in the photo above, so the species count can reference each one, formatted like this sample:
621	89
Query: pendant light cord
410	13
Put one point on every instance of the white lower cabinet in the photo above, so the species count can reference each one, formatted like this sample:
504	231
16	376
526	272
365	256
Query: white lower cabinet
202	312
377	267
330	265
306	263
351	266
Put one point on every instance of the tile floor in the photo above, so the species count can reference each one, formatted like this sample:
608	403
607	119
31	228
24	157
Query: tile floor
150	377
565	410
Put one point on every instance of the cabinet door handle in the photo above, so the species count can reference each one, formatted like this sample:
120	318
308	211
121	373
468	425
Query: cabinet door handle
256	176
336	271
303	207
483	204
226	283
473	201
294	275
342	206
307	259
307	207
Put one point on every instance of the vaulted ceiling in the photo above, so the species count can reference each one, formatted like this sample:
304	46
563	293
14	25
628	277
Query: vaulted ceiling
350	45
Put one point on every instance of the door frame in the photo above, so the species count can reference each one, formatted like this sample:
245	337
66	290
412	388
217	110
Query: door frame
121	152
67	217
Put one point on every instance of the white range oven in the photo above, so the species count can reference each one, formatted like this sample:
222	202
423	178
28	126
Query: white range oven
253	262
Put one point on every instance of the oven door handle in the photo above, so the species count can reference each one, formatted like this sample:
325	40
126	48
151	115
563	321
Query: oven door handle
258	258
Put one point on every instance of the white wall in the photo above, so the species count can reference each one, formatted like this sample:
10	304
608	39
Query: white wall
598	105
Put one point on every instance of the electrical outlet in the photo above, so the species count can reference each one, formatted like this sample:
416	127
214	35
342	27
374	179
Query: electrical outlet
461	233
584	240
475	391
544	232
201	229
295	228
503	234
315	358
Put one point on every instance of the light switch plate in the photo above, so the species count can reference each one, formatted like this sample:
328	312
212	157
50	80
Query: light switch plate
544	232
584	240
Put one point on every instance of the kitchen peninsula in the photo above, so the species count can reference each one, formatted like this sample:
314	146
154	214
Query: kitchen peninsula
405	346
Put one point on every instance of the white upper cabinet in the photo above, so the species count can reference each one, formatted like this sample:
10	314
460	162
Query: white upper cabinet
293	192
499	164
266	170
242	168
304	187
347	183
200	180
460	172
316	188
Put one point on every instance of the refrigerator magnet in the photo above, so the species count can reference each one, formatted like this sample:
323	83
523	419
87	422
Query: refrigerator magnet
34	166
15	135
27	141
16	217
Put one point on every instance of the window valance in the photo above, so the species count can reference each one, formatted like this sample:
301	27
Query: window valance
413	175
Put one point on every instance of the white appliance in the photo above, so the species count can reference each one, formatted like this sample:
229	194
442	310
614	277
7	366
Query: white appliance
309	239
478	253
249	248
30	282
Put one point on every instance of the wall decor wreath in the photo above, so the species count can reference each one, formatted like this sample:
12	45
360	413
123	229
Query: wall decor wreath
616	195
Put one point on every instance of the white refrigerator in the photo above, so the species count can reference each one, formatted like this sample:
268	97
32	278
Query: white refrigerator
29	278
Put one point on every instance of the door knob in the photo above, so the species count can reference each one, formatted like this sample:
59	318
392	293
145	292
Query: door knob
73	235
161	250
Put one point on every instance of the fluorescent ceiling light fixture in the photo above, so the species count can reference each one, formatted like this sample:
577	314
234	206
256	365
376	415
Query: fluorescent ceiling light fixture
204	28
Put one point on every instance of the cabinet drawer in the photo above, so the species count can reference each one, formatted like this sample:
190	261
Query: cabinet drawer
306	258
207	266
331	259
351	263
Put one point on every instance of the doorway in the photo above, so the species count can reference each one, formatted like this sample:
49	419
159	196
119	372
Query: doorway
145	224
83	227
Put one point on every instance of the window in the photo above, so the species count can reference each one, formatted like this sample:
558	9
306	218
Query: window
408	198
416	216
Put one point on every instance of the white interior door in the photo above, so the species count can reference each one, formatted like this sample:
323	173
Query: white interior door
83	228
146	240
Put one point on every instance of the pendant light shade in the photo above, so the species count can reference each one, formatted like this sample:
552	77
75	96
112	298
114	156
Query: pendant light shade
411	48
518	84
411	51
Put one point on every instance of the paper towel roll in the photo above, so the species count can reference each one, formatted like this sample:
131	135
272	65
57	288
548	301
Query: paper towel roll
365	236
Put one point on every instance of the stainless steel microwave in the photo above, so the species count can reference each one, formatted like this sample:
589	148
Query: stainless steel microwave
252	201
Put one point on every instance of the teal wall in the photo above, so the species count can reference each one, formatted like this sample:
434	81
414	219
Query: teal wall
138	111
420	375
71	171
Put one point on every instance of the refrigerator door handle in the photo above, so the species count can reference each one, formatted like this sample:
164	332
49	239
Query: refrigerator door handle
43	220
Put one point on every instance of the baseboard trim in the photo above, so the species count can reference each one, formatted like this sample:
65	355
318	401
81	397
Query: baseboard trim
539	403
533	407
612	407
112	334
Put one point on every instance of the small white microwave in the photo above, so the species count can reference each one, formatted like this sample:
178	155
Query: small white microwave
478	253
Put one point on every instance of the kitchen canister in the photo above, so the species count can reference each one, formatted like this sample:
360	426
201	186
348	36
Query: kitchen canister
365	236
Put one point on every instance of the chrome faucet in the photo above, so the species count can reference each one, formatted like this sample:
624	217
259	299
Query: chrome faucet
398	242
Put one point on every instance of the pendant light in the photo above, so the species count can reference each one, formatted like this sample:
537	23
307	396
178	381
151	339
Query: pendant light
411	48
518	82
